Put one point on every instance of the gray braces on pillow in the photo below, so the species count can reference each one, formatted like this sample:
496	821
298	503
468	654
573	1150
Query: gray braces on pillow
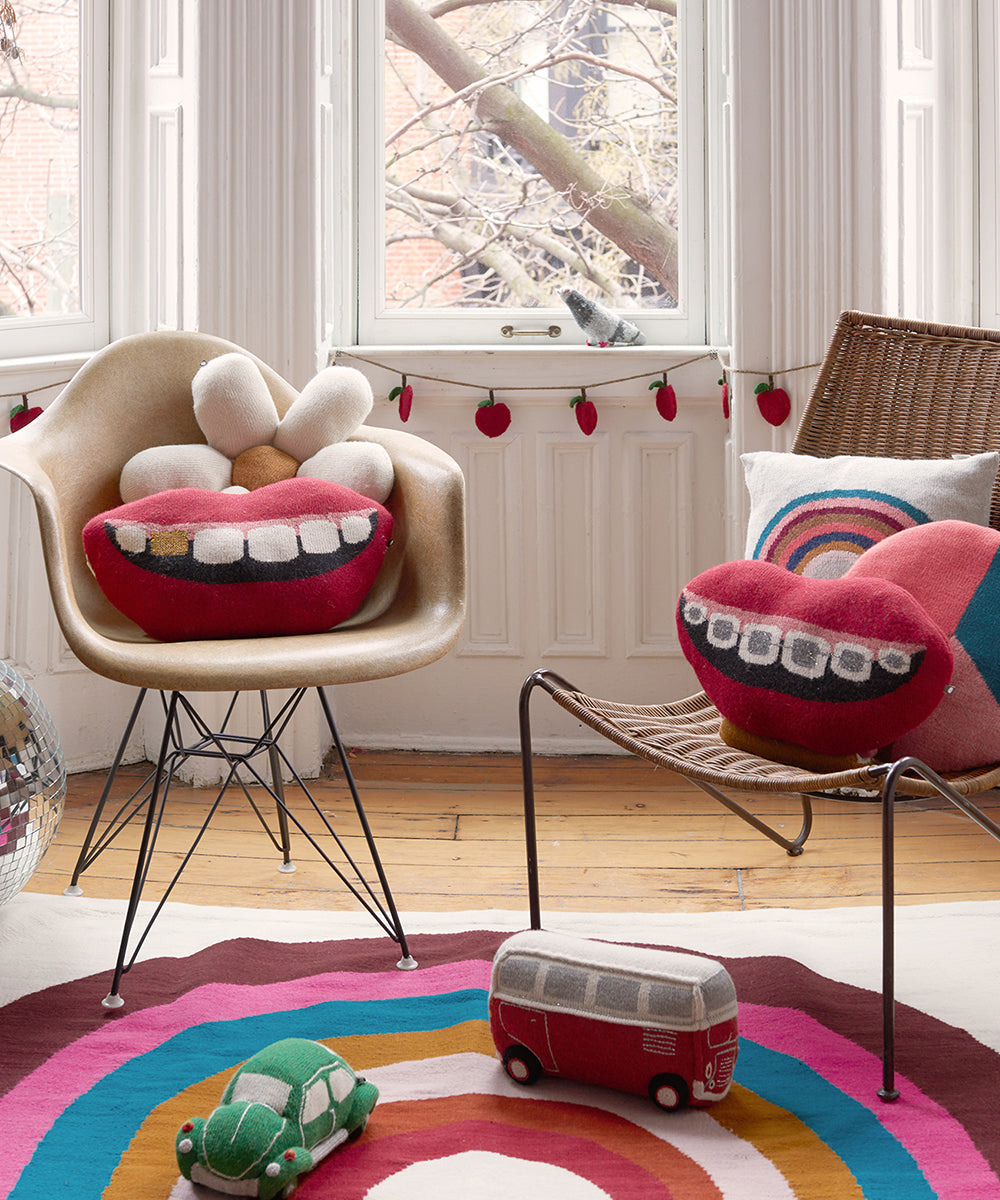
811	663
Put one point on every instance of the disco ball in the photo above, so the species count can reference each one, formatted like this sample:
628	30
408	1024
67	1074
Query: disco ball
32	782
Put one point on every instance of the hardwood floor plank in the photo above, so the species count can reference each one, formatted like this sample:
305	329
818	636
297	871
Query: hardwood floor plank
614	834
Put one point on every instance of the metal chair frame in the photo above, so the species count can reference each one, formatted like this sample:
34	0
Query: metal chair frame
148	803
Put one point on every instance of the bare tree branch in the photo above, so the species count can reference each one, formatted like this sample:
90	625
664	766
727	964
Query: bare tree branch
613	211
19	92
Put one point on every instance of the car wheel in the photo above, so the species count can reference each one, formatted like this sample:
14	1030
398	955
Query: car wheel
521	1065
359	1129
668	1091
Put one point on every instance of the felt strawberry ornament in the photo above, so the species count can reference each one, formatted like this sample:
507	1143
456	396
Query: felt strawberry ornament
404	393
492	418
586	413
21	414
666	398
774	403
725	397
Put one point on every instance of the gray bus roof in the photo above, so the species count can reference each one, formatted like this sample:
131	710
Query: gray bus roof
637	961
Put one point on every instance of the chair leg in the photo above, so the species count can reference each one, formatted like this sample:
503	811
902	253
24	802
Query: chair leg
888	1091
274	759
406	962
528	785
85	858
914	766
113	998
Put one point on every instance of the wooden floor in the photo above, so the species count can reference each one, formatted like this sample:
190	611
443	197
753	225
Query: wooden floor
615	834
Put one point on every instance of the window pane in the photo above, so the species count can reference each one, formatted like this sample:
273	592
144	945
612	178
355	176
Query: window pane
531	145
40	159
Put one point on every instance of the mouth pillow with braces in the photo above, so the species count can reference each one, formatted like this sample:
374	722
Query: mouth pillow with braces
819	673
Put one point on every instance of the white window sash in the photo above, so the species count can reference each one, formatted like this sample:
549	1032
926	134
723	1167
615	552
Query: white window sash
372	324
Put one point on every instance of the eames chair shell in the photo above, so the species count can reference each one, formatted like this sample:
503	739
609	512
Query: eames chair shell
137	393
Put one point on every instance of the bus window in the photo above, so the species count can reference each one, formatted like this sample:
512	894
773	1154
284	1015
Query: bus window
617	994
568	984
517	975
670	1001
718	992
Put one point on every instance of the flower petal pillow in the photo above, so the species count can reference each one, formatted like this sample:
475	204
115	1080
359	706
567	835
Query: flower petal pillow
837	666
297	556
953	570
814	516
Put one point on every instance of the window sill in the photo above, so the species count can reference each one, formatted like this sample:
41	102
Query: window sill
523	366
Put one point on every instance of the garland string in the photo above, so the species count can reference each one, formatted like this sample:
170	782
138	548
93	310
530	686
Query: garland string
559	387
551	387
31	391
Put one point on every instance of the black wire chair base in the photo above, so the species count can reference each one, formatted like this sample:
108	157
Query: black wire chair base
886	776
239	754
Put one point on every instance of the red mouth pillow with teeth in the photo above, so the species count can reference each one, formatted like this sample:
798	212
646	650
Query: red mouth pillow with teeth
297	556
837	666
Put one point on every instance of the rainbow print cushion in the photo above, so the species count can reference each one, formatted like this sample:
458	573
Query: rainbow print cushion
815	516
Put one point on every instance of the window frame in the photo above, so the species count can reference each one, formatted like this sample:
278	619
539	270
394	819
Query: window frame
369	323
49	334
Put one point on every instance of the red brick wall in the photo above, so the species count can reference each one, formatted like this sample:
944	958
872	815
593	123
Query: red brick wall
39	146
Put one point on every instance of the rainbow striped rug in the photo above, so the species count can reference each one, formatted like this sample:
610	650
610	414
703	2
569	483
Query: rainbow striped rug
90	1099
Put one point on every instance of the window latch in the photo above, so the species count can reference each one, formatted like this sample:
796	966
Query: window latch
508	331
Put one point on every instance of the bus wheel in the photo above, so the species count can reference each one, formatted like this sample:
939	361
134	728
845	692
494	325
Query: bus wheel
668	1091
521	1065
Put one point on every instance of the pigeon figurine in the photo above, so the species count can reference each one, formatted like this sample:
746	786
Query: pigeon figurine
602	327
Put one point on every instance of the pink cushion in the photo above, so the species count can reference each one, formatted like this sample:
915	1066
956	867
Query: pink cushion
953	569
297	556
839	666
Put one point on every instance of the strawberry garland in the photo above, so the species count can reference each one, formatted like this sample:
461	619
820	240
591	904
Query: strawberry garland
493	418
586	412
774	402
21	414
666	398
404	393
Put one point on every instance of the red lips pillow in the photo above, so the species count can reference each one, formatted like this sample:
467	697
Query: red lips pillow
297	556
838	666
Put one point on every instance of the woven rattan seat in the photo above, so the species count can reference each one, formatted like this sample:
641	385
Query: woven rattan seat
887	388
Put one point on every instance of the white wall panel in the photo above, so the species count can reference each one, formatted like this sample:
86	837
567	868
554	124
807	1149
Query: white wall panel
657	529
494	472
574	516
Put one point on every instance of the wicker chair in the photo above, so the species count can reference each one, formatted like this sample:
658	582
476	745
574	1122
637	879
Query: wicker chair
890	388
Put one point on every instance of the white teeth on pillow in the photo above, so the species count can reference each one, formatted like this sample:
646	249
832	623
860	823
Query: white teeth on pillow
131	539
273	543
267	543
217	544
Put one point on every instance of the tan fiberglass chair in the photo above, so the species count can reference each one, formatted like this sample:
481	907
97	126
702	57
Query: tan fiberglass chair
136	393
889	388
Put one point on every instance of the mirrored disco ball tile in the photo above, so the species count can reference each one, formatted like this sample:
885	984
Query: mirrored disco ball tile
32	782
